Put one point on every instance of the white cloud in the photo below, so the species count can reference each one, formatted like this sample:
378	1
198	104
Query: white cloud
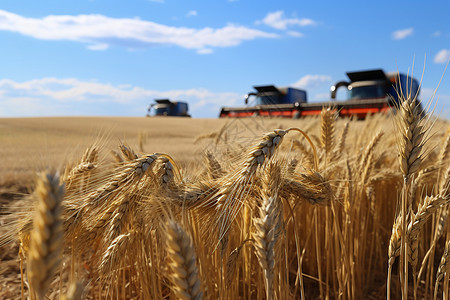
277	20
205	51
191	13
442	101
427	94
442	56
101	31
403	33
70	96
98	47
322	97
309	81
295	33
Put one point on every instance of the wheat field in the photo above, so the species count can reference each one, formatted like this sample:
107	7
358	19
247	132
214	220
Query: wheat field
170	208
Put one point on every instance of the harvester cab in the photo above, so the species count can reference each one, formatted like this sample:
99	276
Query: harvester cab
376	84
270	95
165	107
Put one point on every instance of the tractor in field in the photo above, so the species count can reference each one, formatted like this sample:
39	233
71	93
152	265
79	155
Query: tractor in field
165	107
368	92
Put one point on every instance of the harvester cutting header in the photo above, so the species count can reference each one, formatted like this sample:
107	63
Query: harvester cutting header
368	92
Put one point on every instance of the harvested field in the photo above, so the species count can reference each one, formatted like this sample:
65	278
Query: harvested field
230	209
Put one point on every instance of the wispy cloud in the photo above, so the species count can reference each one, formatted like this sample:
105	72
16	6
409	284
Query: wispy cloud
403	33
279	21
70	96
100	32
436	34
442	56
312	81
191	13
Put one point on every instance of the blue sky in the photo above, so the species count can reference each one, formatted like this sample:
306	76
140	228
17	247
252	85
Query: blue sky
112	58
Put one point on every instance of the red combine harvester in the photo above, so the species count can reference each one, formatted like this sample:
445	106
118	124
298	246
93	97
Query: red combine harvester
368	92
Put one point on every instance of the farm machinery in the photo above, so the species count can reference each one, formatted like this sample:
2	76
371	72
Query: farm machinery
165	107
368	92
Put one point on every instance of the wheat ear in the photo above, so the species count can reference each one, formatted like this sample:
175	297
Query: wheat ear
444	155
413	136
444	267
114	254
429	206
394	249
46	237
130	173
312	187
165	171
183	263
116	156
327	125
441	225
267	226
230	196
342	139
75	291
214	168
127	152
366	157
413	131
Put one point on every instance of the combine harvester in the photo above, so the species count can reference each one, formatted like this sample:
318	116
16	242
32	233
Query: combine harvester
165	107
368	92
